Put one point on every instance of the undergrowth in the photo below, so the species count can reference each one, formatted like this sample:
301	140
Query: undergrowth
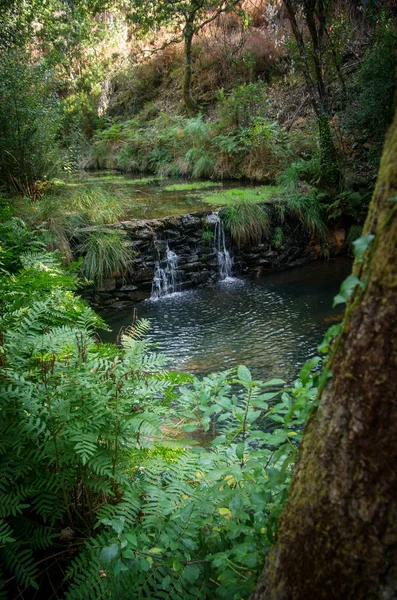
98	476
241	142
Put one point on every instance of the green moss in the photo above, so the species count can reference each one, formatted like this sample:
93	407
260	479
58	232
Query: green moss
121	180
266	193
195	185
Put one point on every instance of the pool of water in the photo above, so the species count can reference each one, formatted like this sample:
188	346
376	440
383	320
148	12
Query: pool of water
145	197
271	324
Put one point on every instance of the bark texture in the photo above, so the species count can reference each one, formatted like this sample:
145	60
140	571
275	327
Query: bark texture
338	532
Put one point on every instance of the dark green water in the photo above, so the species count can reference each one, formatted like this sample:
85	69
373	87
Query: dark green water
271	324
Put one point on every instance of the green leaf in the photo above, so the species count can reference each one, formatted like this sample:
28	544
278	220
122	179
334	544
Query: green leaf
347	288
176	565
131	538
307	368
145	564
117	525
360	246
119	567
272	382
244	375
191	573
189	428
156	550
240	449
108	553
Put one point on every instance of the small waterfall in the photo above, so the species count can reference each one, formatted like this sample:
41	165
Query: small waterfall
225	261
165	280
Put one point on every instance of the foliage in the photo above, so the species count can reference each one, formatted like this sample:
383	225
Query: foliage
349	204
88	456
244	104
246	222
307	171
28	123
197	185
193	147
247	195
62	435
371	110
205	517
105	253
192	16
16	238
305	210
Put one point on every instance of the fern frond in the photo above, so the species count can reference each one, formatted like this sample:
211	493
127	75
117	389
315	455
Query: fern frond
21	564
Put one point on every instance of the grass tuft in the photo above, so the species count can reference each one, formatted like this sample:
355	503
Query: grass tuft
246	222
105	253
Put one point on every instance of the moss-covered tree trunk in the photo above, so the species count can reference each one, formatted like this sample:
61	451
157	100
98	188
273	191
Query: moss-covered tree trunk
337	535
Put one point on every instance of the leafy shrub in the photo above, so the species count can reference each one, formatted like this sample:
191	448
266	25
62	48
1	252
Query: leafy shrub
239	108
85	457
298	172
28	123
349	204
15	238
372	111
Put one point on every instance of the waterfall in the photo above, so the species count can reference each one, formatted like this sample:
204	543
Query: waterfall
225	261
165	279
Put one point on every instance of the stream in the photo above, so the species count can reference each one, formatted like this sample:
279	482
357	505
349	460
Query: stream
271	324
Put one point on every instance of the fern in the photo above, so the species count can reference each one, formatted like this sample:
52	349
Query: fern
86	440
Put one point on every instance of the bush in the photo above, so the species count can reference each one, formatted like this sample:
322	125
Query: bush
28	123
376	86
239	108
372	97
88	459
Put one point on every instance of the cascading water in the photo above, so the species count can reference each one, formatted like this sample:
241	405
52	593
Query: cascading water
225	261
165	279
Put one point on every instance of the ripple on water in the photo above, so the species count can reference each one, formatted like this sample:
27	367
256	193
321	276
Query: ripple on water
271	324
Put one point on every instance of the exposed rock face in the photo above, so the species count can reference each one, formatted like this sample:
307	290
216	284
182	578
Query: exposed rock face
190	236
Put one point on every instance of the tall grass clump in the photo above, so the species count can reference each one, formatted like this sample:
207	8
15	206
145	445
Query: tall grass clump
105	253
65	211
305	210
246	222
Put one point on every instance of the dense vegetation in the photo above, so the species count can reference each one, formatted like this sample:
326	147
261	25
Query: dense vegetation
118	477
103	491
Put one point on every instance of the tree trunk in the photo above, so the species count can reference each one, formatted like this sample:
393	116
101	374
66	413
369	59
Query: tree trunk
337	535
314	12
188	99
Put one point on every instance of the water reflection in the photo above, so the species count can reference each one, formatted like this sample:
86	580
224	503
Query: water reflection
272	324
